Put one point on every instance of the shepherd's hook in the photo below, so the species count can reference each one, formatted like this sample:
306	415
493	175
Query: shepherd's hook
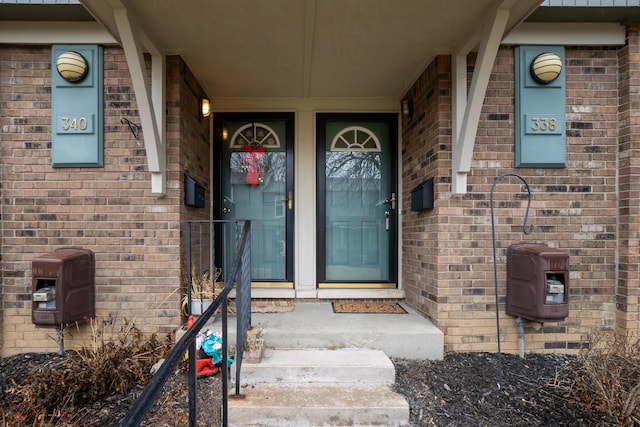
495	269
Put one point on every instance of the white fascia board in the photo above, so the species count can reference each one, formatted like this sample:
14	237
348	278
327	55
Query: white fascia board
61	32
567	34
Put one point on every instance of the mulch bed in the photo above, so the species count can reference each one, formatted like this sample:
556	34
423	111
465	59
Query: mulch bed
171	408
460	390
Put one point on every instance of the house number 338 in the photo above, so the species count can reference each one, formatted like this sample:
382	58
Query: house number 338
543	124
74	123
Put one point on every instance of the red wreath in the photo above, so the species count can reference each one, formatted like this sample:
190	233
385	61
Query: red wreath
253	161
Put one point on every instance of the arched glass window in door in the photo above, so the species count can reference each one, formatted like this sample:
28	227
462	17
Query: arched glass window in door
255	135
356	138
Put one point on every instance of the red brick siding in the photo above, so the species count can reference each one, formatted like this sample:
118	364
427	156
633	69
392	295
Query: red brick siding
426	153
134	234
628	292
448	264
194	155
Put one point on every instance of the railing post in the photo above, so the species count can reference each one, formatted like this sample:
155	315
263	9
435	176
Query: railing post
224	371
246	272
191	383
188	261
243	299
193	405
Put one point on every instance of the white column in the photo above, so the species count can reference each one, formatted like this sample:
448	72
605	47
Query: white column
305	205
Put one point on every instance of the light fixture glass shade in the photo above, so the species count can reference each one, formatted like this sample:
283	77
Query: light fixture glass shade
206	107
407	107
72	66
546	67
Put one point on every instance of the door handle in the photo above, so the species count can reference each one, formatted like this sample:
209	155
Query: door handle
391	201
226	210
289	200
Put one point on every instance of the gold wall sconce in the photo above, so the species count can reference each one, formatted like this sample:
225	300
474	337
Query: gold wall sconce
546	67
406	107
205	107
72	66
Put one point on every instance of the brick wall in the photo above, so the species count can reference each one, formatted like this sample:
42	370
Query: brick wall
627	297
135	236
448	255
192	131
426	154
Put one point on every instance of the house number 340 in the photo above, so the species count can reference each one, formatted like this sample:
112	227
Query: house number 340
543	124
74	123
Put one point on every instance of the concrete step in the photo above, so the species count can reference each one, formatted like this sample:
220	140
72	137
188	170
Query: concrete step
320	366
302	405
315	325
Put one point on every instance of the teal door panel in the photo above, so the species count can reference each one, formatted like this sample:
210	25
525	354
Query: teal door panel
256	181
356	183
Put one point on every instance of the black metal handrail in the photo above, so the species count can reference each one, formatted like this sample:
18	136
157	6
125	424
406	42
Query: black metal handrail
240	274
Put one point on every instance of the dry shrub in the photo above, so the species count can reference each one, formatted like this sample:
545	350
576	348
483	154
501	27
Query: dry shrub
608	375
110	365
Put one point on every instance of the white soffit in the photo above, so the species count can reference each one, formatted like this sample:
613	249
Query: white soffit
307	49
567	34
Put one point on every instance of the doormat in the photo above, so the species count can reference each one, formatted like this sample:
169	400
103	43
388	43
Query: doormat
272	306
266	306
368	307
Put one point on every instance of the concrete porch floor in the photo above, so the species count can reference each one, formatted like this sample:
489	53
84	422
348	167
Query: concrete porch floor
315	325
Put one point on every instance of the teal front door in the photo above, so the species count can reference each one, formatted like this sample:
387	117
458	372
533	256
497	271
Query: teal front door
357	200
255	158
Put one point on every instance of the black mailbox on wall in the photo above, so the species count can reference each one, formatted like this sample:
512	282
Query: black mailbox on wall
537	282
63	287
194	194
422	196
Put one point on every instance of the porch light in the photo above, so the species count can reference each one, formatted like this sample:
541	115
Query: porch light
407	107
72	66
205	107
546	67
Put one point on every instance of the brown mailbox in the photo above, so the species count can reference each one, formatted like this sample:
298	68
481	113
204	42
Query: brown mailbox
63	288
537	282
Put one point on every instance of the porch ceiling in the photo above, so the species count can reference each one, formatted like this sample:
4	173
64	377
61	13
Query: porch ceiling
308	48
